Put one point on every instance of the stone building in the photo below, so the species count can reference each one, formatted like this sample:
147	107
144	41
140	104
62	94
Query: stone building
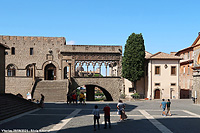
2	67
48	59
186	72
161	78
189	70
196	69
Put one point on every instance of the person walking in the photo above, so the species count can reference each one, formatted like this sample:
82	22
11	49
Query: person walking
29	96
69	98
168	107
163	106
96	114
81	97
106	110
84	99
74	98
42	101
120	107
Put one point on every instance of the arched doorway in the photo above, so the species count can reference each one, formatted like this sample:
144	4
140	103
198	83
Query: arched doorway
66	72
157	94
50	72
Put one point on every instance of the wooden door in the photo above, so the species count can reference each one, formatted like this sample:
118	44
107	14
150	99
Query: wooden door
157	94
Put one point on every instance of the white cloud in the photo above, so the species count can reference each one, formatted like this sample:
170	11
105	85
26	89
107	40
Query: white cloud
70	42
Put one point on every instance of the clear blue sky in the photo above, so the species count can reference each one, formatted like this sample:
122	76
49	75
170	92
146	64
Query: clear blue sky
166	25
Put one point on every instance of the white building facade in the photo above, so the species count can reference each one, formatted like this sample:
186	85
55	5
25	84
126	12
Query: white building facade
161	78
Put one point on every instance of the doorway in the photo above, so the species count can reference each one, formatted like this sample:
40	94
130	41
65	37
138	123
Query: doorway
66	72
184	94
157	94
50	72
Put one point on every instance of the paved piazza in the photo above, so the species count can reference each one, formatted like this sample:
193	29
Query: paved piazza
143	116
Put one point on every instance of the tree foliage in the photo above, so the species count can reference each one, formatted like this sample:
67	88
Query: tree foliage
134	57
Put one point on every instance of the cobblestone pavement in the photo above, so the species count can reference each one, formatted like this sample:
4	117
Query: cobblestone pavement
143	116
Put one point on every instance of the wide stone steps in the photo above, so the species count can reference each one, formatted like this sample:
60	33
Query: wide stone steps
11	105
54	90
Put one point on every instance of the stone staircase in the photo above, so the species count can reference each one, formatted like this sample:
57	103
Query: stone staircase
11	105
53	90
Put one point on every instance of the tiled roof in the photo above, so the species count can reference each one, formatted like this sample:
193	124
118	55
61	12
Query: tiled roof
147	54
161	55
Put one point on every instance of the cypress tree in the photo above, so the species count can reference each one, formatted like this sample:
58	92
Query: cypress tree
133	59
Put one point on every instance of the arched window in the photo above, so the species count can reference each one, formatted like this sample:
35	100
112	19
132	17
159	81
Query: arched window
11	70
29	71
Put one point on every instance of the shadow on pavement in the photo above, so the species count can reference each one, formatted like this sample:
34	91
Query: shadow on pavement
175	125
54	113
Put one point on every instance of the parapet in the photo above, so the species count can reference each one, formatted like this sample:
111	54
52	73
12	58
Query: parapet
31	38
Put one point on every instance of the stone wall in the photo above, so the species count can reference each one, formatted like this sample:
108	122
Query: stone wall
196	86
196	75
112	85
17	85
2	70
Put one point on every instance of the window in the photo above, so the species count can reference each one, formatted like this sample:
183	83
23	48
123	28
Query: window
188	55
31	51
131	89
173	70
198	59
173	84
12	51
157	69
11	70
188	69
157	84
183	70
29	71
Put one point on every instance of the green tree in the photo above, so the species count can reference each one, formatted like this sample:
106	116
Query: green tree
133	59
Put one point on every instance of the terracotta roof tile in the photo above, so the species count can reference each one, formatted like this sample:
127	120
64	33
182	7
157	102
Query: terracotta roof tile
161	55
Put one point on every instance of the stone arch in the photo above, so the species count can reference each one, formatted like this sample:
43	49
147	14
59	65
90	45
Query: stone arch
29	70
50	62
110	86
91	85
90	91
50	72
11	65
11	70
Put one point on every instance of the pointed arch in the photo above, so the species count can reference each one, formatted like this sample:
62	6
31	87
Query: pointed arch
11	70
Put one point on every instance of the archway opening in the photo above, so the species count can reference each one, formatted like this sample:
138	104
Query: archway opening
157	94
50	72
66	72
97	92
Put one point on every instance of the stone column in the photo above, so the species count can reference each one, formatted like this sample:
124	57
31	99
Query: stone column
93	64
87	66
111	65
69	71
75	68
117	69
100	69
34	71
106	64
